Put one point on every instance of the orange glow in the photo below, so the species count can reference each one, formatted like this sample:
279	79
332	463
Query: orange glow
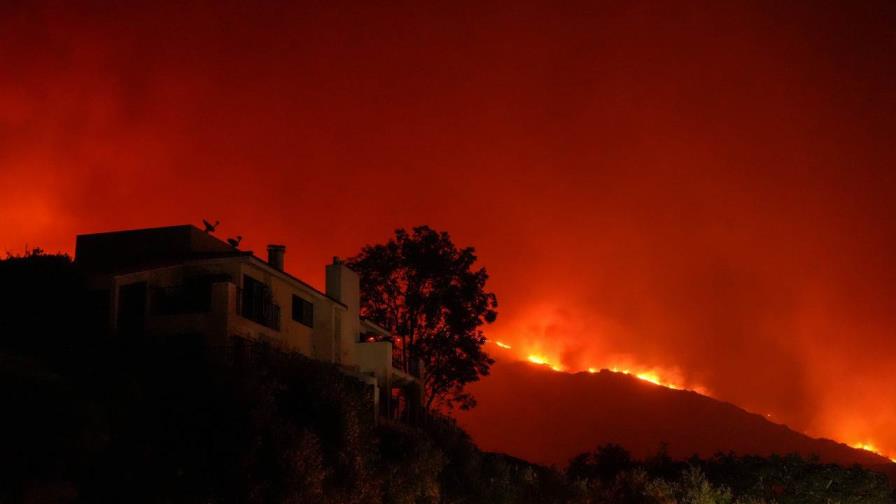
651	376
865	446
871	447
537	360
654	376
648	376
542	361
740	247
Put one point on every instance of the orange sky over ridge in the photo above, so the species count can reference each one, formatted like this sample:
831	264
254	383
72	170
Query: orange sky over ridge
707	189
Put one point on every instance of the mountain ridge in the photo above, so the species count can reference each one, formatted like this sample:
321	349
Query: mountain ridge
559	415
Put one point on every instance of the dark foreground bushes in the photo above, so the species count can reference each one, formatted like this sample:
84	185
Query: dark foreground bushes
609	475
89	418
173	422
86	418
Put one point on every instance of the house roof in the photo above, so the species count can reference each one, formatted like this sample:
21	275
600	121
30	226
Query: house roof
133	250
298	280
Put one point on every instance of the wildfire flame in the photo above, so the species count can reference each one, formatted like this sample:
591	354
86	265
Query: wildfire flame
537	360
541	361
870	447
648	376
865	446
655	377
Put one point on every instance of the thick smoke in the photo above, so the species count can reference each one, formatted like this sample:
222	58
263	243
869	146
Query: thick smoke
704	190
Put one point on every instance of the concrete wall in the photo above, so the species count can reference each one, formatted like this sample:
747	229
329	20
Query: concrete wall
313	342
166	257
376	358
337	326
317	342
344	285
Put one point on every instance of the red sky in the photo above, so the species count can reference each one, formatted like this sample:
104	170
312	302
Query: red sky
707	190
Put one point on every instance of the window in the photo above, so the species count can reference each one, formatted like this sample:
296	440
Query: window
192	296
98	306
302	311
131	309
257	303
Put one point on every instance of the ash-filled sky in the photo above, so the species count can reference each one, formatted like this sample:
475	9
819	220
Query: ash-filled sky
703	189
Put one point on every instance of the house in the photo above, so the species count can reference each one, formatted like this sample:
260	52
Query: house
178	281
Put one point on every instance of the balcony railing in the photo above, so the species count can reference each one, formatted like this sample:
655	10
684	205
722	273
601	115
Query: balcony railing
409	365
397	359
258	309
192	297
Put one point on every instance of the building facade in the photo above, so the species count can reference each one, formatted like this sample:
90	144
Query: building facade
180	280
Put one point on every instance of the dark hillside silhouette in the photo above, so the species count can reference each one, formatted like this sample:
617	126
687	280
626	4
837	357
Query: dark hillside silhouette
604	407
92	418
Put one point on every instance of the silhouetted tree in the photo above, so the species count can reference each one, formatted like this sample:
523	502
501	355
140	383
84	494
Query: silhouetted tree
604	463
425	290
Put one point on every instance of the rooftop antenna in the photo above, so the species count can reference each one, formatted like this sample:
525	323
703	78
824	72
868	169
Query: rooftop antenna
235	242
209	227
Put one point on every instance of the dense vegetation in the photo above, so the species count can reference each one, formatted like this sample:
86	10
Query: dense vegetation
608	474
430	294
90	419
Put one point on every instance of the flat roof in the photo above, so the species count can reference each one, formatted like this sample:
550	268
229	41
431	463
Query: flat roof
145	249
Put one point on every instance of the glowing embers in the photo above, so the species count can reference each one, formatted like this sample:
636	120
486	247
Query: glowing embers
537	360
870	447
649	376
668	378
865	446
542	361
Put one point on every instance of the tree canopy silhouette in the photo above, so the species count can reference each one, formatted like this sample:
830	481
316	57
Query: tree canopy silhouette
427	292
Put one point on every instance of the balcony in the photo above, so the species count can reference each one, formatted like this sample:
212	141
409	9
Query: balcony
192	295
403	363
182	299
190	308
258	308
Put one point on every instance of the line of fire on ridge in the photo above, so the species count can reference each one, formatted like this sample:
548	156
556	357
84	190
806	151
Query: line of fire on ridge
656	380
651	377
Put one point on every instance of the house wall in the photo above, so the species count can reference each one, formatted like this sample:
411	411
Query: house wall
337	325
166	257
376	358
210	324
318	342
344	285
314	342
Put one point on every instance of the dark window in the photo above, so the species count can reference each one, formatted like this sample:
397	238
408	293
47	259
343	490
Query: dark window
98	306
257	303
131	309
192	296
302	311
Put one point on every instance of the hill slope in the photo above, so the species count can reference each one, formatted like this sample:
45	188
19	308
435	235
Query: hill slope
547	417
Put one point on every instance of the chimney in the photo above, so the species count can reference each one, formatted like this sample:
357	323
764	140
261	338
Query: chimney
275	256
343	284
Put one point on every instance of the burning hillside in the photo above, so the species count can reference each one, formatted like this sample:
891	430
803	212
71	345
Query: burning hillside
611	404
